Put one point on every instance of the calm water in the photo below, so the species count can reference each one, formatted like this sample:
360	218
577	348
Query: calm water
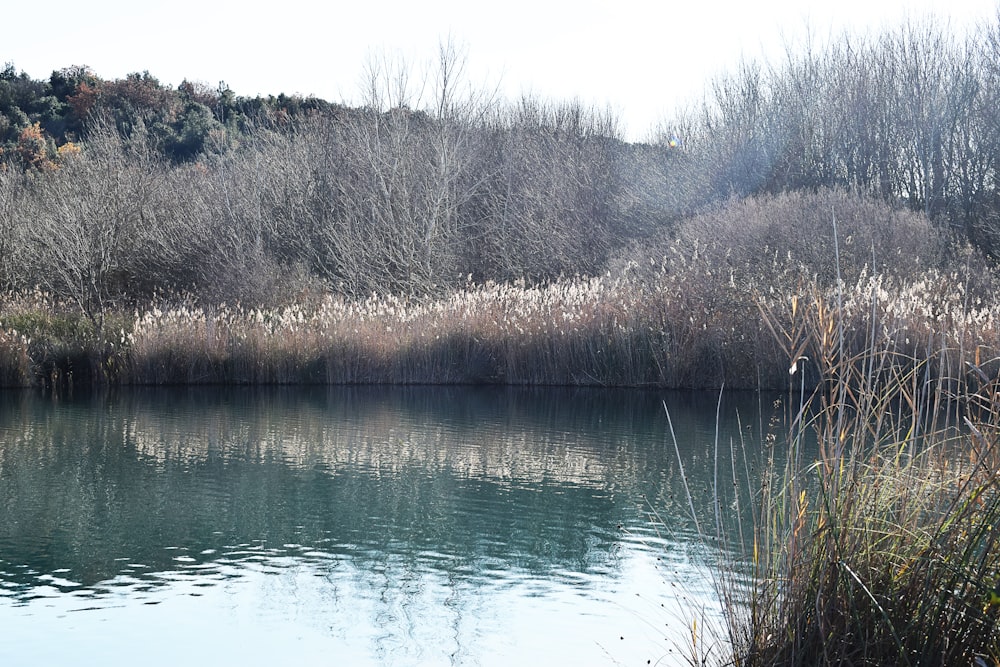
357	526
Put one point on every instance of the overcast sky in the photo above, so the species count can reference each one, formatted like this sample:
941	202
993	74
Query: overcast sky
641	57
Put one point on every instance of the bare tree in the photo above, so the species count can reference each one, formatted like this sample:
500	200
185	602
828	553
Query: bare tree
11	236
82	222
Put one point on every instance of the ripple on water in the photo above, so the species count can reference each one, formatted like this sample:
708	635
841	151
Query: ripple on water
369	530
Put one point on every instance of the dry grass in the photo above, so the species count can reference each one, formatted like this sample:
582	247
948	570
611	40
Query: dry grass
490	333
688	326
875	530
684	323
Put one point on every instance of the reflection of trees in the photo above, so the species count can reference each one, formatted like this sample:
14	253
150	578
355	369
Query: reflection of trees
464	481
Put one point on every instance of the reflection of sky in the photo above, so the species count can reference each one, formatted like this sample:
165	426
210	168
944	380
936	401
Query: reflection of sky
313	609
499	528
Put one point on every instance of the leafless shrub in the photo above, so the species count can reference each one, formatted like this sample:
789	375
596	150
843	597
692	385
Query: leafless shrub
799	229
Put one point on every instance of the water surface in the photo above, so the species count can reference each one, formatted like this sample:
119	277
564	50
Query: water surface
352	526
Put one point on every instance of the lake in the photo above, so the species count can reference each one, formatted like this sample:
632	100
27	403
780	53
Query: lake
355	526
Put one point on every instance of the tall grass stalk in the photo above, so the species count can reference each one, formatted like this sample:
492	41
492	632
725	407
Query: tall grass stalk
876	523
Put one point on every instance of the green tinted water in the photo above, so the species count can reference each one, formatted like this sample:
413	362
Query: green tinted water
351	526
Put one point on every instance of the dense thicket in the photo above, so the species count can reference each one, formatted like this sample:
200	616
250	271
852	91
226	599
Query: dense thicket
113	191
403	195
911	116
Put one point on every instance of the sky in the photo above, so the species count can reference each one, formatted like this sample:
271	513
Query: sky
643	59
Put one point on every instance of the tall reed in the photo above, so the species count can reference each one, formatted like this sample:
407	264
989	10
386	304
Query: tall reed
876	525
685	323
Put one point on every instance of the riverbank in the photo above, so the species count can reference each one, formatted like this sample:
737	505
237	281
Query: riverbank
696	328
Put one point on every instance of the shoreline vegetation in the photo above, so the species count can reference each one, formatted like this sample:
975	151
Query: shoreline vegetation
700	310
875	524
695	327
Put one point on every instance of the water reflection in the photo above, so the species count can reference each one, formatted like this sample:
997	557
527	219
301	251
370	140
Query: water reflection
382	526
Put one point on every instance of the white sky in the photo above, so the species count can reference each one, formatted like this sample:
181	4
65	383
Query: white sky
644	58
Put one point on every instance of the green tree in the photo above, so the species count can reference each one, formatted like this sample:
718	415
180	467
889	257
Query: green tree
191	131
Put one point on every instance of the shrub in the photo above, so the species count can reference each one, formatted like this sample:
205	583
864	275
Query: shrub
744	238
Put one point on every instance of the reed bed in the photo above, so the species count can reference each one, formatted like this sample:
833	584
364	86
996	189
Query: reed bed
676	330
15	364
490	333
684	323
